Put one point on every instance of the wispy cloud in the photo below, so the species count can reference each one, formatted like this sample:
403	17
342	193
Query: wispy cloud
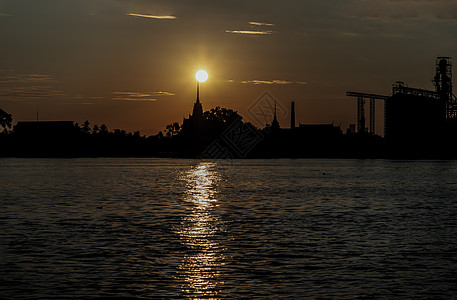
254	32
250	32
266	82
139	96
270	82
26	78
261	24
28	86
87	98
25	88
163	93
30	92
152	16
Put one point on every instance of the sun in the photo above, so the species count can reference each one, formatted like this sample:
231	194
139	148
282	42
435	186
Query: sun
201	76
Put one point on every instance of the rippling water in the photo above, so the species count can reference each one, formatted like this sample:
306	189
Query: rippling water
158	228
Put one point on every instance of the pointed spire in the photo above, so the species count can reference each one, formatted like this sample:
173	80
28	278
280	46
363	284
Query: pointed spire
198	109
198	92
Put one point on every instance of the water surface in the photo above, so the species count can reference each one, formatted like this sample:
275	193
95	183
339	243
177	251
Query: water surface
162	228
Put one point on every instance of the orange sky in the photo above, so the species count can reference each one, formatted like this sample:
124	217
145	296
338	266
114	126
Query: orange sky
131	64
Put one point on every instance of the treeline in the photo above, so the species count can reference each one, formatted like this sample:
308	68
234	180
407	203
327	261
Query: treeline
219	133
65	139
81	141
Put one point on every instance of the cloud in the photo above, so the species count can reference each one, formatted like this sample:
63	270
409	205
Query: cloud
28	86
29	92
261	24
254	32
26	79
250	32
86	98
139	96
152	17
267	82
270	82
163	93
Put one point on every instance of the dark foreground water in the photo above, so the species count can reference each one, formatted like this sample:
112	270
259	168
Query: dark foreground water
155	228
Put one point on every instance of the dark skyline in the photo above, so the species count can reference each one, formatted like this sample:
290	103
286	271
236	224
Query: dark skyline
131	64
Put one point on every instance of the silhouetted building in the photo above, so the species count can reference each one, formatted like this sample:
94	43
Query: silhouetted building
197	112
46	139
195	133
423	121
195	121
306	140
418	122
320	130
275	123
45	128
414	116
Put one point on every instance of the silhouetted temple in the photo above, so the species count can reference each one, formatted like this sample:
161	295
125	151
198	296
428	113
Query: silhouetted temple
275	123
306	140
195	121
195	130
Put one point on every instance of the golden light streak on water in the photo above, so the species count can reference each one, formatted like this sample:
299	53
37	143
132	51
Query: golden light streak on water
199	269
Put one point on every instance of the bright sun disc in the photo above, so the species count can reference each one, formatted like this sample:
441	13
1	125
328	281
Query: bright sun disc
201	76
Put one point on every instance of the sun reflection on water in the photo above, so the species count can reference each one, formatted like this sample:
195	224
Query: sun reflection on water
200	234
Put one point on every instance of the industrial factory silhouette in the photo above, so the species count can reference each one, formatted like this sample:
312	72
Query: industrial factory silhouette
418	124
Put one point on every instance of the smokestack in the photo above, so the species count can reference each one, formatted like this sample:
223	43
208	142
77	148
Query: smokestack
292	115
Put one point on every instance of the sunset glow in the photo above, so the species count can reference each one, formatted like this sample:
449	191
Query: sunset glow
107	61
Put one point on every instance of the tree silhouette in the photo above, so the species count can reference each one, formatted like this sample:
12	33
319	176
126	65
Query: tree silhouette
86	127
160	135
221	115
120	132
103	129
173	129
5	119
95	129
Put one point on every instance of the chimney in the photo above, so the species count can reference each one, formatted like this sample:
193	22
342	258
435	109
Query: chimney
292	115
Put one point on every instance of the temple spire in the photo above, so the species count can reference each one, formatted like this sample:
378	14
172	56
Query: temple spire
275	123
198	92
198	109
